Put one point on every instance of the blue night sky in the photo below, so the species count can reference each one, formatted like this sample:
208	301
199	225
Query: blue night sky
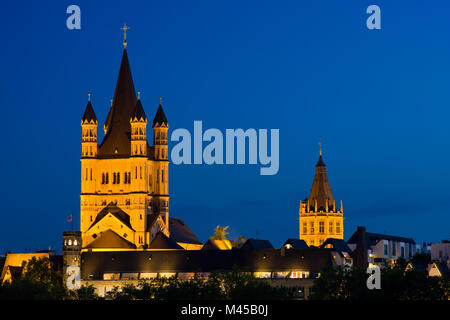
378	99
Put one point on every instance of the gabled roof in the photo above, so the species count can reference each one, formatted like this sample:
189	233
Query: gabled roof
416	266
89	114
117	124
138	112
110	240
296	243
160	117
161	241
115	211
213	244
181	233
257	244
337	244
151	219
443	269
374	238
321	190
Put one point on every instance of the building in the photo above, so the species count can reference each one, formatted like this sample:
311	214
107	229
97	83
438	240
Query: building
441	251
289	267
383	249
319	218
124	201
12	265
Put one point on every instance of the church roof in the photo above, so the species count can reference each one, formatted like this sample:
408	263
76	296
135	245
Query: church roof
138	112
118	129
160	117
111	240
161	241
181	233
89	114
115	211
95	264
321	190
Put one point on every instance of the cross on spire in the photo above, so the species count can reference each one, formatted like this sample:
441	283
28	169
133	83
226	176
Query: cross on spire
320	146
125	28
160	99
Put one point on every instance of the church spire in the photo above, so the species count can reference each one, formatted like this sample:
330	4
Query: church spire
89	114
321	190
117	125
160	117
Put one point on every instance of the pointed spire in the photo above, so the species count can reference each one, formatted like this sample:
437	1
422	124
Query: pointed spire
89	114
138	112
160	117
117	124
321	190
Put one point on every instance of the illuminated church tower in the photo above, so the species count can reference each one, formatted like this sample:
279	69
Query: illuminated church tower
124	180
319	218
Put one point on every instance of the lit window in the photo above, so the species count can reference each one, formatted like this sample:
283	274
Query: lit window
70	242
321	227
75	242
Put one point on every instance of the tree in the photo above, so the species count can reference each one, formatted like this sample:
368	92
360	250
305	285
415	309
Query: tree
39	280
336	283
239	242
220	233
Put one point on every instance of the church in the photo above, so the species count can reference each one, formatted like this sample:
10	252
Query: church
319	218
124	201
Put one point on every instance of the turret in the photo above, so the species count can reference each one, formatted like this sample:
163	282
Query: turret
89	132
161	168
160	128
138	121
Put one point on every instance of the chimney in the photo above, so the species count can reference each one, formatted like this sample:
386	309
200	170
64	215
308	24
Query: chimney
360	254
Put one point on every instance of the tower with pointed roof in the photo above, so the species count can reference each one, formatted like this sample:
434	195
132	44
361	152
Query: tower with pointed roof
319	218
124	197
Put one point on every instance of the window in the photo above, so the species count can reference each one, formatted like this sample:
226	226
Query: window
330	227
312	227
91	174
394	253
385	249
162	176
118	177
157	176
338	227
114	178
107	178
305	228
140	172
402	252
321	227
